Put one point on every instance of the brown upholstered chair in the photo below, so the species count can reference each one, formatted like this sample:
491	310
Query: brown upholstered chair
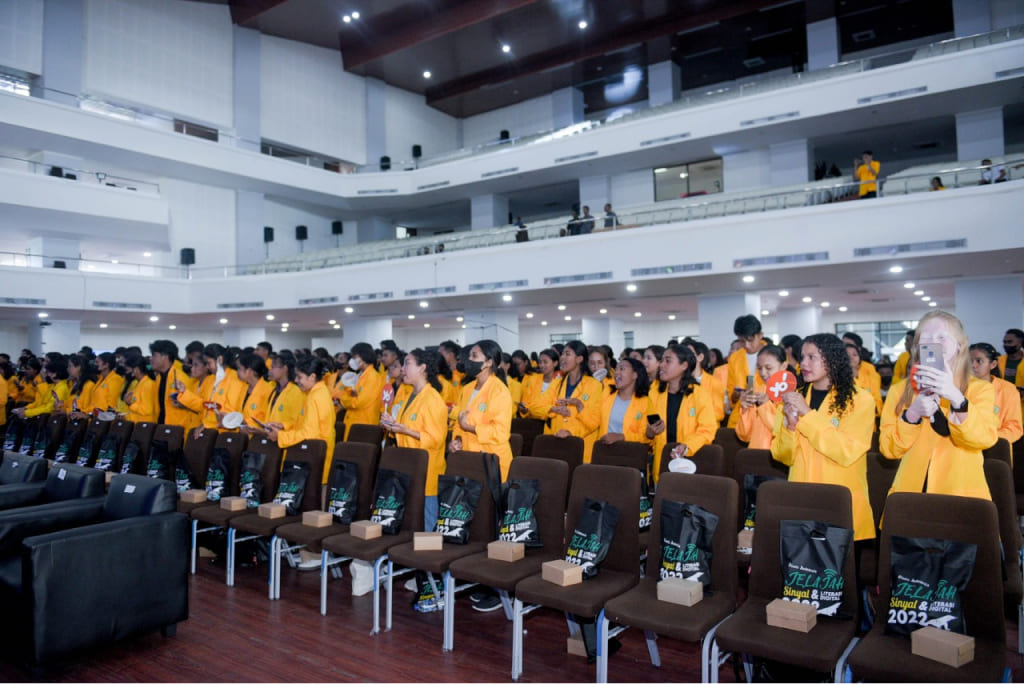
955	518
173	436
251	525
1000	486
553	477
756	462
66	450
233	445
880	472
345	547
530	429
56	423
569	449
1001	451
95	431
515	442
121	432
630	455
370	434
142	437
640	607
730	443
293	536
619	572
212	517
198	452
824	648
482	530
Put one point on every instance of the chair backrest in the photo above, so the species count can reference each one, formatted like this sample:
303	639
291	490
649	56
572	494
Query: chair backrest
756	462
173	435
515	442
92	440
75	431
881	472
730	443
365	458
470	465
530	429
122	429
778	501
710	459
370	434
553	478
234	444
1000	486
271	475
313	452
198	452
66	481
134	495
55	425
954	518
619	487
1000	451
628	454
568	449
18	469
142	435
715	494
412	462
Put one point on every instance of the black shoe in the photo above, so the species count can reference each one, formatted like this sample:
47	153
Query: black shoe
613	647
487	604
479	595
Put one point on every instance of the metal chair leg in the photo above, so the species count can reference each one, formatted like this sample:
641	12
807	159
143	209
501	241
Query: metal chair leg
230	579
602	647
195	524
652	647
449	612
517	639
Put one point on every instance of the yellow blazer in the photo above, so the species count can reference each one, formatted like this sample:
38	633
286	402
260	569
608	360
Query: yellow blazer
286	406
952	465
172	414
829	449
45	401
535	398
107	392
490	413
362	403
738	371
3	400
1008	409
899	369
634	423
143	407
83	400
316	421
427	414
716	390
579	423
756	425
695	423
869	379
257	404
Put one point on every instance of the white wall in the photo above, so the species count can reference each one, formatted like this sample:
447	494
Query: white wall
21	35
409	121
746	170
632	188
13	338
307	100
283	218
201	217
522	118
174	57
1006	13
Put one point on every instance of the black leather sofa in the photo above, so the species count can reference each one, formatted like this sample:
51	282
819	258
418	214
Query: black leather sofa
63	483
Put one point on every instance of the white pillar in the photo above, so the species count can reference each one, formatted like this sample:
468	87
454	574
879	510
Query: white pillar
747	170
988	306
802	321
58	336
979	134
567	107
44	251
246	88
608	331
370	330
235	336
790	162
971	16
488	211
595	192
63	43
664	81
249	221
500	326
374	229
822	43
376	132
716	315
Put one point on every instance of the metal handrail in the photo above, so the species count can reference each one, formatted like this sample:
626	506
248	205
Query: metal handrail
102	177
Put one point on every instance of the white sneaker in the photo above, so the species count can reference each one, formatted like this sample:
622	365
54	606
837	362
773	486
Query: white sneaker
313	564
411	585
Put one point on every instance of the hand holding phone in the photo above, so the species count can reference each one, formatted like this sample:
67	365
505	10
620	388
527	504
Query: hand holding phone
653	418
930	355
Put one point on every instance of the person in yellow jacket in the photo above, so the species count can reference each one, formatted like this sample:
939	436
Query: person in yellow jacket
198	384
109	384
27	381
865	376
226	395
1011	364
485	409
52	394
624	412
939	430
140	398
422	422
252	370
757	412
985	367
684	410
602	368
82	381
899	369
743	361
449	352
514	384
703	375
651	358
4	394
285	400
823	432
362	402
168	373
539	388
316	419
576	411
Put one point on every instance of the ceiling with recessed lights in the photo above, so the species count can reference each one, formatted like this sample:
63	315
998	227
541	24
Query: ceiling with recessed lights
472	56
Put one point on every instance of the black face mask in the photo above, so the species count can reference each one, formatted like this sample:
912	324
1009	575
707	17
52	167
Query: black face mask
471	369
1011	349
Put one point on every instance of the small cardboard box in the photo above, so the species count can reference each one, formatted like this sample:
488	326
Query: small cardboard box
232	503
562	572
942	646
427	541
272	510
109	476
574	645
193	496
745	541
317	519
800	617
364	529
680	591
506	551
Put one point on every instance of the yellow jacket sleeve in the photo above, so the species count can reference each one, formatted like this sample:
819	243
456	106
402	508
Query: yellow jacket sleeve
287	407
1008	410
143	407
315	422
979	430
3	400
783	441
698	424
843	441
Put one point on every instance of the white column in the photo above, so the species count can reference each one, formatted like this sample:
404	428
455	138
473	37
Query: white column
500	326
58	336
716	315
567	106
376	133
246	46
595	192
488	211
663	82
747	170
249	222
44	251
822	44
979	134
604	331
63	43
374	229
235	336
802	321
989	306
971	16
370	330
790	162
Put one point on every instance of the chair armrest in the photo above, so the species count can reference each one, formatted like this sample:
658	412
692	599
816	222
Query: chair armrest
20	523
18	495
103	582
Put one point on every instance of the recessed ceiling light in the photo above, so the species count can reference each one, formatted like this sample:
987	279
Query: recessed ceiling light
765	312
337	326
463	326
147	254
172	327
459	319
424	304
825	305
602	311
506	48
806	300
349	309
103	325
412	317
844	309
43	314
661	170
529	314
154	319
426	74
506	298
332	322
270	317
542	323
748	278
426	325
909	286
683	175
671	317
631	287
895	269
285	324
638	314
783	293
583	24
347	19
223	321
355	15
926	298
933	303
918	293
561	307
568	318
114	261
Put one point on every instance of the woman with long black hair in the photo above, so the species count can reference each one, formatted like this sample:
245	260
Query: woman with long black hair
362	401
485	409
825	429
109	383
537	397
624	411
140	395
577	400
82	376
985	367
684	409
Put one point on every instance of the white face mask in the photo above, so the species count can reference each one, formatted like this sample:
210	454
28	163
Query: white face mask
355	363
220	373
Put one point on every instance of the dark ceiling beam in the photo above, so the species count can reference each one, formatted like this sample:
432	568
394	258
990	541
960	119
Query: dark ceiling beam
243	11
620	37
400	29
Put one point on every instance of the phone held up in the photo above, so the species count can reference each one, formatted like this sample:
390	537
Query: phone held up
930	355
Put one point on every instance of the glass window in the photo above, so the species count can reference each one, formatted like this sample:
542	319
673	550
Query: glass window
687	180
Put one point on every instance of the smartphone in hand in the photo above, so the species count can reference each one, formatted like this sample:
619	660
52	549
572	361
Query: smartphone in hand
930	355
653	418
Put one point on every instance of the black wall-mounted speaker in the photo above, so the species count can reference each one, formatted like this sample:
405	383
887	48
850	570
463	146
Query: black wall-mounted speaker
385	163
417	151
188	256
503	135
301	232
337	228
268	233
